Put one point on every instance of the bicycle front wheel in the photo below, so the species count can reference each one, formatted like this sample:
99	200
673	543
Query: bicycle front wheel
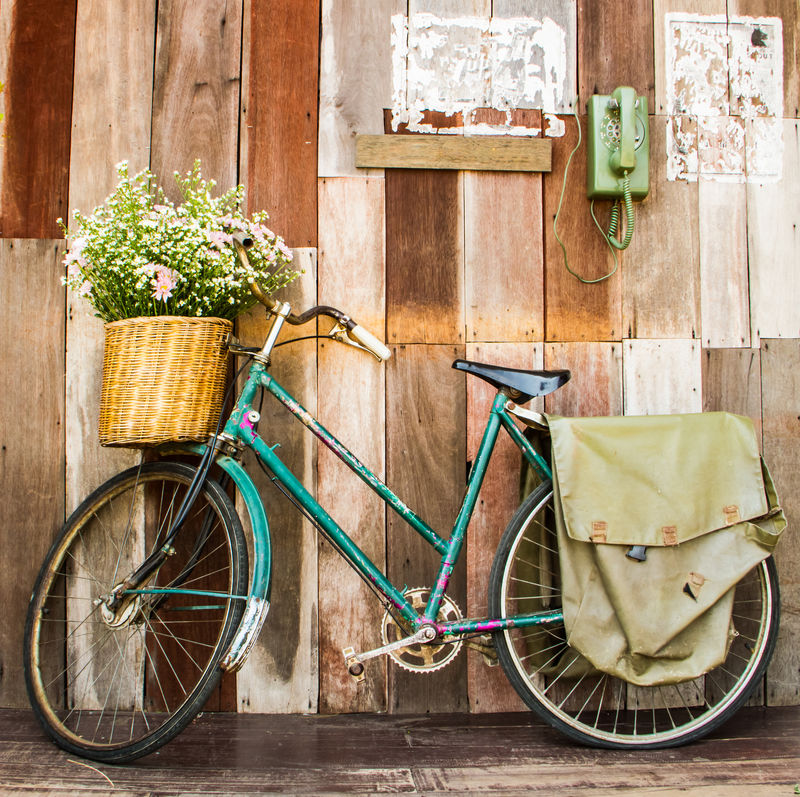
596	708
113	685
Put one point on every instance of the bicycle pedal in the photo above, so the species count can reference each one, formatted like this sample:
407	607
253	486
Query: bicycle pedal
354	666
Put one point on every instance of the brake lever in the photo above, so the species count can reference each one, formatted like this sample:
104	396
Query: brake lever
338	332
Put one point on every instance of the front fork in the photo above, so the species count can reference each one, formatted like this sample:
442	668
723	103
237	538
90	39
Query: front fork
257	605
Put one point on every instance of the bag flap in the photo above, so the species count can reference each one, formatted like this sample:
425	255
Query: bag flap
656	480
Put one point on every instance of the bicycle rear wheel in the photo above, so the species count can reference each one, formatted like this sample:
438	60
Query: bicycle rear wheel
115	685
596	708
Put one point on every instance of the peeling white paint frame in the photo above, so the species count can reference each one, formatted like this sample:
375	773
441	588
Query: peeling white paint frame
460	65
724	91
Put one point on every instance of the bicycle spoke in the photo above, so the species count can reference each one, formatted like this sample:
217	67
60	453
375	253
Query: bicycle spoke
154	669
128	525
166	657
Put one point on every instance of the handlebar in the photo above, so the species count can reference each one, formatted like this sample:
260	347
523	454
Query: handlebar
344	324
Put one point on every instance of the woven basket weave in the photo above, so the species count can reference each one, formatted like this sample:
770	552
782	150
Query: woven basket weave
163	379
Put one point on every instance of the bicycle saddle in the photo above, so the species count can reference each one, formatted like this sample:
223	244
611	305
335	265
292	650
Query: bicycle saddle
523	385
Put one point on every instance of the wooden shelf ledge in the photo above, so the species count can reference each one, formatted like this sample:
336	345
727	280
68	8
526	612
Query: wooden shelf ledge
476	153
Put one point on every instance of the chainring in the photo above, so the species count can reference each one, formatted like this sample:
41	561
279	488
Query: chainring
427	657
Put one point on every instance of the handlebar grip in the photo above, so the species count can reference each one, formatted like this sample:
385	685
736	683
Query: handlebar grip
243	239
369	341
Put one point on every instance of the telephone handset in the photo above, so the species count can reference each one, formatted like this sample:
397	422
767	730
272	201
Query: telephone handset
618	163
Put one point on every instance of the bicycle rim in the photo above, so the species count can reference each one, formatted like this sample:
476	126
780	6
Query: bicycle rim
596	708
114	685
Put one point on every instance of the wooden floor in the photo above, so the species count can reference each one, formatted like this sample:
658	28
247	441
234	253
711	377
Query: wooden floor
758	753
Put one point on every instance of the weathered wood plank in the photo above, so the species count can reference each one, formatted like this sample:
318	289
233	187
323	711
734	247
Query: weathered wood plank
110	123
504	282
355	82
37	102
487	153
488	688
195	113
616	780
780	379
425	463
31	398
166	653
605	31
424	257
732	383
724	287
352	407
773	221
485	754
661	268
352	228
280	115
595	387
281	674
352	393
661	377
575	311
196	90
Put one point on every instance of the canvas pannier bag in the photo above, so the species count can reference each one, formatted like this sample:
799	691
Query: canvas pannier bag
658	517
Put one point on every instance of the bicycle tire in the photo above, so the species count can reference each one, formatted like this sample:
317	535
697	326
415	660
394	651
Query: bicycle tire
595	708
115	686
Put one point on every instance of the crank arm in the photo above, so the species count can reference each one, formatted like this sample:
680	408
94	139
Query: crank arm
355	661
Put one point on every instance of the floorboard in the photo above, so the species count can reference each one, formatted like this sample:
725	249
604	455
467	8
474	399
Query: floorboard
757	753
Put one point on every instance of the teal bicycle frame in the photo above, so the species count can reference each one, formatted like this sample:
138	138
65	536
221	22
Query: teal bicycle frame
239	432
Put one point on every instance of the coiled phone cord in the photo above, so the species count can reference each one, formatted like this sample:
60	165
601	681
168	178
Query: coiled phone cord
610	236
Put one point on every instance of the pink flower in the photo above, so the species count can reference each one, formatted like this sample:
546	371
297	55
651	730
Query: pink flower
163	291
164	283
85	289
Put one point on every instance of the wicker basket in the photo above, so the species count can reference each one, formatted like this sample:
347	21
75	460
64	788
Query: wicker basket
163	379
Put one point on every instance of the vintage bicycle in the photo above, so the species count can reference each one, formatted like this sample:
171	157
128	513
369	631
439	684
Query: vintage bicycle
147	594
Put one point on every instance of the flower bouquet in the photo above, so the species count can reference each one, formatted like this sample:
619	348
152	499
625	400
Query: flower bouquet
167	281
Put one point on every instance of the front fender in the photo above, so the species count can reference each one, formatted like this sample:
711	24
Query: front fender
258	599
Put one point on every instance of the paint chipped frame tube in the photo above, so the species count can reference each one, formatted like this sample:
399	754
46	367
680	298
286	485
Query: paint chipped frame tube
240	427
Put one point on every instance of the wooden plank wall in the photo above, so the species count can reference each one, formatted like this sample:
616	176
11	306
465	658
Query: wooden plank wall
702	314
